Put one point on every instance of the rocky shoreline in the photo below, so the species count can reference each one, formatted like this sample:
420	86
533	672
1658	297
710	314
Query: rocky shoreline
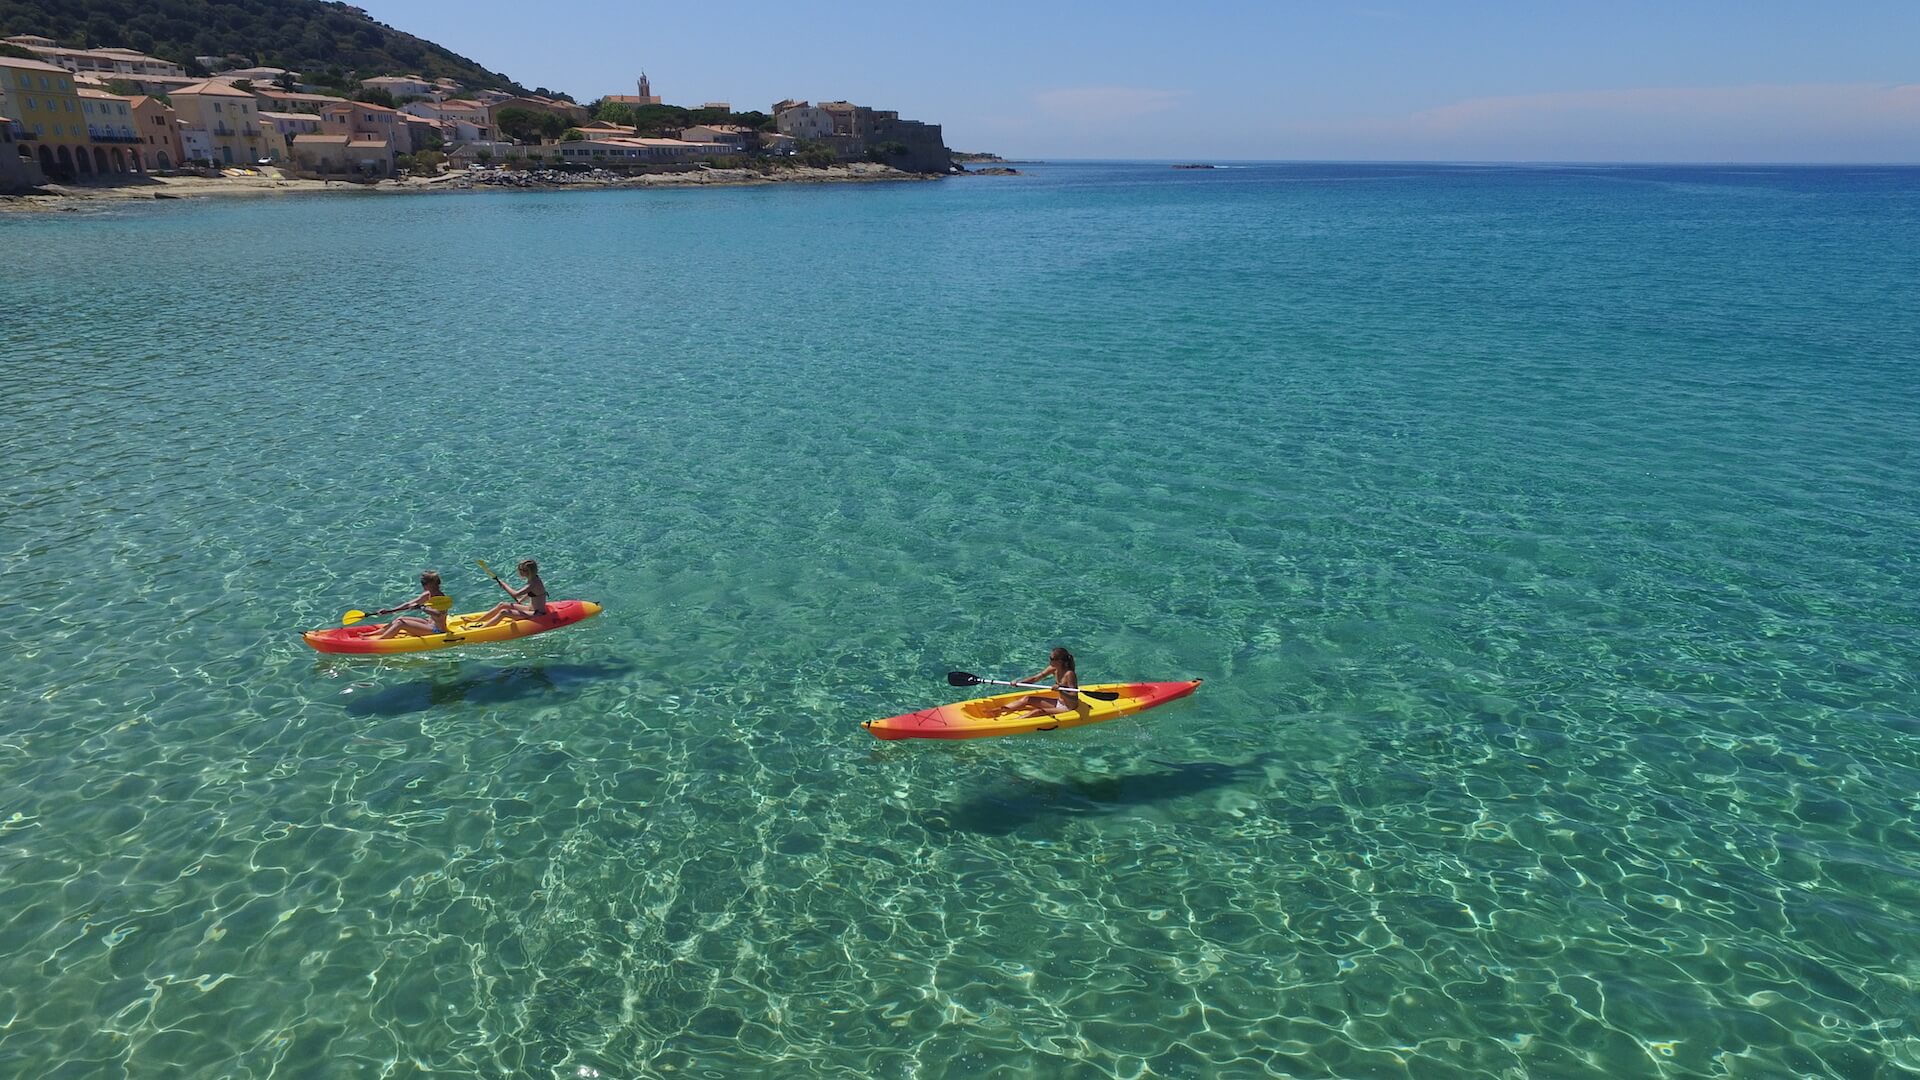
65	197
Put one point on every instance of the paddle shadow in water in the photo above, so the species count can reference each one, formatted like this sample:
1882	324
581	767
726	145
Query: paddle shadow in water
1024	802
488	686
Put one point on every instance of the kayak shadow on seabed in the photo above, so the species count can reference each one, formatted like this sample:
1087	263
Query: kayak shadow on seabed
1023	802
486	686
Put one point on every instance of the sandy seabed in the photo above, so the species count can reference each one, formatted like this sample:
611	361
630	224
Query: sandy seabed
57	197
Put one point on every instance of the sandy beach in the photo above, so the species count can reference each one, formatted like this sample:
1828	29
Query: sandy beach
271	182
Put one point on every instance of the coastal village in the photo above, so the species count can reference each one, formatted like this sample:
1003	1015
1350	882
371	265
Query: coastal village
109	116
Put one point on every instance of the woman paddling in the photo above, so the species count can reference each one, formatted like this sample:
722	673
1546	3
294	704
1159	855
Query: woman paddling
1063	698
433	603
534	593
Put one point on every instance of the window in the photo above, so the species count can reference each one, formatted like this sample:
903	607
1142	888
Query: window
216	106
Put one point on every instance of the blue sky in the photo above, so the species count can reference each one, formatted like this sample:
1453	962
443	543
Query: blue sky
1381	80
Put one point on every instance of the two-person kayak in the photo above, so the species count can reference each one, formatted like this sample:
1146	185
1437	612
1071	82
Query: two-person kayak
364	638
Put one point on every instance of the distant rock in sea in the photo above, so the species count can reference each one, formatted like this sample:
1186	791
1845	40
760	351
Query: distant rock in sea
1193	166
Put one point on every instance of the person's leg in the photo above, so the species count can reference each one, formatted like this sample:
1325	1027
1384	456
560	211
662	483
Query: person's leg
1020	704
408	625
492	615
504	612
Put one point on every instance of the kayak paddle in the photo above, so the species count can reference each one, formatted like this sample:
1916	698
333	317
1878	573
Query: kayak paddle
356	615
961	678
495	577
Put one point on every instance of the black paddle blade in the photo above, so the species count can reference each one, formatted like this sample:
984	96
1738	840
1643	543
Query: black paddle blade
961	678
1100	695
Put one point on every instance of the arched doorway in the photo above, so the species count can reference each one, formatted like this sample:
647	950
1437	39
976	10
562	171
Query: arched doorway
46	161
67	170
120	161
164	162
100	160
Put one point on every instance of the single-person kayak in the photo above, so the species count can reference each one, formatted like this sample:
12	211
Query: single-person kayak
981	717
462	630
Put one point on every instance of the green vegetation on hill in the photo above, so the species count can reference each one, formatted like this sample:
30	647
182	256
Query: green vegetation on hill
312	37
653	120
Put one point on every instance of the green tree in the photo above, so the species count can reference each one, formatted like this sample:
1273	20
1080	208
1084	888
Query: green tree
518	124
815	153
612	112
375	95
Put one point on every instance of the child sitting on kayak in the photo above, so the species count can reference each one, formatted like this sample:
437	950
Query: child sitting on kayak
434	603
534	592
1065	696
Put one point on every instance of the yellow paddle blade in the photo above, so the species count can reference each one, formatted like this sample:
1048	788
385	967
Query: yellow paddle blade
352	617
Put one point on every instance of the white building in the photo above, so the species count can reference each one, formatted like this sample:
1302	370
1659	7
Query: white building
196	144
400	85
107	63
804	121
631	151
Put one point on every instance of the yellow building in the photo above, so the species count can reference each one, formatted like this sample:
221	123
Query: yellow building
41	98
229	119
110	119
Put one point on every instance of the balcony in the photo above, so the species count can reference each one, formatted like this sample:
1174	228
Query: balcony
111	137
21	134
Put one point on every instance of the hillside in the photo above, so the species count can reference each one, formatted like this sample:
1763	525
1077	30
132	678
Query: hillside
308	36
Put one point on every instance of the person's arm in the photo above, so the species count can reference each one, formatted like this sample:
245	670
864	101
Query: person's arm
416	602
1044	672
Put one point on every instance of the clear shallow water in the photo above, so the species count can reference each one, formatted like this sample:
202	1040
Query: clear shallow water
1544	535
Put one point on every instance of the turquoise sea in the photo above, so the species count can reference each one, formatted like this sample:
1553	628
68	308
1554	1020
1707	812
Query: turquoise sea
1545	537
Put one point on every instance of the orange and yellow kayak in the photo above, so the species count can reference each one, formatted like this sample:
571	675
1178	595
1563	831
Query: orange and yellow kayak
462	630
984	716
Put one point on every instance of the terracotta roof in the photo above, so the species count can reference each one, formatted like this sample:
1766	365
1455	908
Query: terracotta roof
309	138
213	88
90	92
31	65
369	142
278	95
